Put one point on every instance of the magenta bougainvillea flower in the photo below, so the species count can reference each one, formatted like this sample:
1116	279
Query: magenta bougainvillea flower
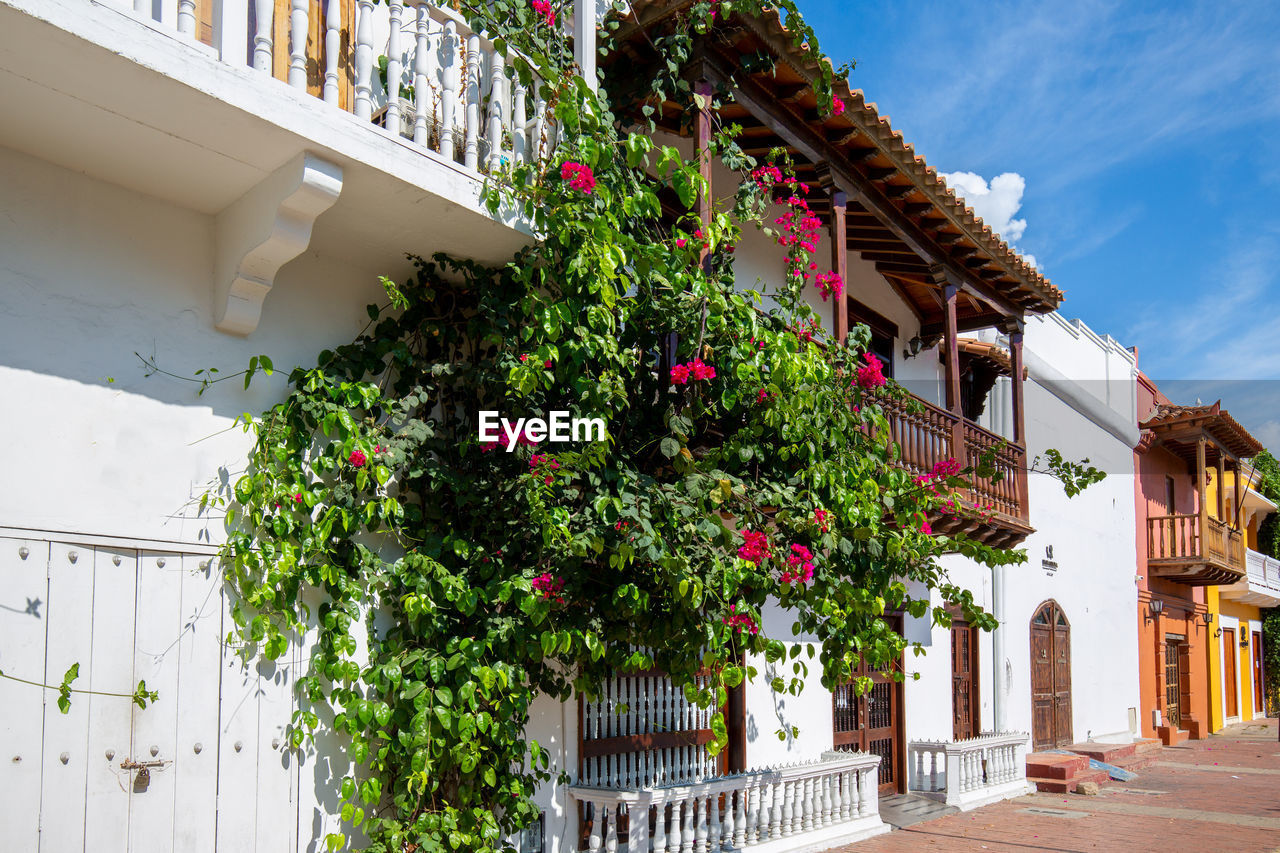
837	106
740	621
297	498
821	518
870	376
696	369
543	8
755	546
579	176
829	284
549	587
799	565
357	459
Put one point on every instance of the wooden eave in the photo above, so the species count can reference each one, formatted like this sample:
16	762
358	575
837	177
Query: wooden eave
901	215
1179	429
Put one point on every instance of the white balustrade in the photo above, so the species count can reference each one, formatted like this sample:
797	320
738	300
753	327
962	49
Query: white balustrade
828	802
501	121
969	773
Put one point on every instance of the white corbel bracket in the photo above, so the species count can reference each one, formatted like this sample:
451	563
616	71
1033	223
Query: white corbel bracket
266	228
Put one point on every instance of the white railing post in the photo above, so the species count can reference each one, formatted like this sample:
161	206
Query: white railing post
519	119
298	44
264	13
332	45
421	85
187	18
395	66
448	87
496	92
584	39
471	153
364	60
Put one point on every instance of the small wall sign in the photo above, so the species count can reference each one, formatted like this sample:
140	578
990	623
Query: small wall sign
1048	563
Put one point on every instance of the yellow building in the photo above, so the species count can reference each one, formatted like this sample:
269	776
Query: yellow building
1235	653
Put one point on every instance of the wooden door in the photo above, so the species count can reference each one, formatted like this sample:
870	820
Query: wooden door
214	737
964	681
1229	653
1172	684
1259	696
1050	677
873	723
316	50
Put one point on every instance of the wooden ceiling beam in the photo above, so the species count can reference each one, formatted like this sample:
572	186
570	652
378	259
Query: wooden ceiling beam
967	323
894	247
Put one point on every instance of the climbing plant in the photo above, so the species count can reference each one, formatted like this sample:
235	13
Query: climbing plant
447	580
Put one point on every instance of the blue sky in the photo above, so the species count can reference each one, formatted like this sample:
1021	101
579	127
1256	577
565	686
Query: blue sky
1140	144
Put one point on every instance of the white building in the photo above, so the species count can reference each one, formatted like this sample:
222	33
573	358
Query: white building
165	203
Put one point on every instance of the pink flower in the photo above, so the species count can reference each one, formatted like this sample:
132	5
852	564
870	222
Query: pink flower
547	364
543	8
357	458
944	468
870	376
680	374
548	587
762	395
799	565
830	284
680	242
579	176
524	356
925	528
837	106
820	517
739	621
379	449
297	498
755	547
702	371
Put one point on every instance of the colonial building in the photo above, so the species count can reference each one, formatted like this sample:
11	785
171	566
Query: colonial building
1189	542
1237	676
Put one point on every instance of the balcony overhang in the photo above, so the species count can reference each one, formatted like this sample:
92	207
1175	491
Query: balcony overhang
1260	586
97	90
1196	572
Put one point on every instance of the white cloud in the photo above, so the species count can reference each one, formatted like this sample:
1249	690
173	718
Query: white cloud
996	202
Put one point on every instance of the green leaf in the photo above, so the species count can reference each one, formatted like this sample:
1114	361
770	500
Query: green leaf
670	447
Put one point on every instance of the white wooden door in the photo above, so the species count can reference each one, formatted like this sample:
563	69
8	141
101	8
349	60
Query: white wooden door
219	777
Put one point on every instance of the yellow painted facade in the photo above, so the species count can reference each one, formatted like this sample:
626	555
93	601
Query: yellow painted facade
1232	617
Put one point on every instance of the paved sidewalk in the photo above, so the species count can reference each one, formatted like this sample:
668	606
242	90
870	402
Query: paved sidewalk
1219	794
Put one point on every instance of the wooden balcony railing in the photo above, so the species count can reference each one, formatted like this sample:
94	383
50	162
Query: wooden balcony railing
1194	549
929	435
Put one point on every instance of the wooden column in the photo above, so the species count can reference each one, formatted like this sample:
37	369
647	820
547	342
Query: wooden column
702	142
1201	471
840	263
1222	487
952	343
1019	427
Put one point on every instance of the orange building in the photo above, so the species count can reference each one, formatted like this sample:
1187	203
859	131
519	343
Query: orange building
1183	548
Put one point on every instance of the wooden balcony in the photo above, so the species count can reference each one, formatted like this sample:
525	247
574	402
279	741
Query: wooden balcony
1195	550
931	434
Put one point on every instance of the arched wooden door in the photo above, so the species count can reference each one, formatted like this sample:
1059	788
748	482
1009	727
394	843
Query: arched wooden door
1050	677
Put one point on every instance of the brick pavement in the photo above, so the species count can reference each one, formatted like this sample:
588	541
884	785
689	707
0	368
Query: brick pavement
1220	794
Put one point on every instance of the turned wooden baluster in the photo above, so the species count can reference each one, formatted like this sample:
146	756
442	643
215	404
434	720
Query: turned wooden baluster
471	155
421	74
264	12
740	818
595	836
497	79
687	834
364	60
519	120
332	45
187	18
611	831
298	44
395	66
449	73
